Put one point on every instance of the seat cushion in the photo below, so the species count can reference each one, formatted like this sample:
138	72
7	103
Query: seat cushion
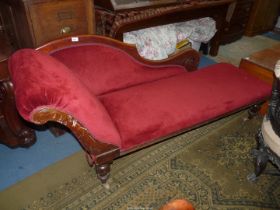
271	139
104	68
153	110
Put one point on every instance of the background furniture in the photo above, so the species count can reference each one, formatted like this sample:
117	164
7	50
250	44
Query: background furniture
268	138
262	63
263	17
235	27
14	131
114	17
30	23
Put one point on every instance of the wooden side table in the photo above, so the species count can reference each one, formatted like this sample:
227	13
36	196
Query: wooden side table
261	64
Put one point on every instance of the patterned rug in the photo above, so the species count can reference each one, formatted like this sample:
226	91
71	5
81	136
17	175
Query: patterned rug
208	166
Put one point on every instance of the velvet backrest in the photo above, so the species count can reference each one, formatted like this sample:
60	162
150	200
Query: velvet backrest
104	68
40	81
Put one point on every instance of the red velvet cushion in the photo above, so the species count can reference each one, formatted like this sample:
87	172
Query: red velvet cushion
104	68
41	81
153	110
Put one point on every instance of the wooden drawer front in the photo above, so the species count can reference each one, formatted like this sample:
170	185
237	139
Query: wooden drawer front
51	20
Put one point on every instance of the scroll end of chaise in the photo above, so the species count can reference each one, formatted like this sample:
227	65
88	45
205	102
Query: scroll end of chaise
98	153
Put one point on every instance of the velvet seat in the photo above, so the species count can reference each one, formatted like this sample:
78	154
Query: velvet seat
114	101
149	111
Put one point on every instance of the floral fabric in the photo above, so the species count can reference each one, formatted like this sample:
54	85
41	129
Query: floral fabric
158	42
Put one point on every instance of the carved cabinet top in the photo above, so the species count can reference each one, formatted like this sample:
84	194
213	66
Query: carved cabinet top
116	5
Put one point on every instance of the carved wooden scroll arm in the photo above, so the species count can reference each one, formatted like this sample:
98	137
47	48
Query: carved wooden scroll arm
101	153
188	58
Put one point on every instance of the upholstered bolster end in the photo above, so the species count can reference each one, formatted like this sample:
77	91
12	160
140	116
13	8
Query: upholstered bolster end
41	81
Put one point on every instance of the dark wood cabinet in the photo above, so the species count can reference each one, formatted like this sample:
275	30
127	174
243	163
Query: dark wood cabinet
235	27
31	23
115	17
263	17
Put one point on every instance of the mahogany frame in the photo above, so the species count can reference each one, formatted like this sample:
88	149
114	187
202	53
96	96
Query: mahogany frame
186	57
98	153
101	154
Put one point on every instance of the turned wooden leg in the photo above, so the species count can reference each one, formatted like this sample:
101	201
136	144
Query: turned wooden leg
102	162
253	111
56	131
103	172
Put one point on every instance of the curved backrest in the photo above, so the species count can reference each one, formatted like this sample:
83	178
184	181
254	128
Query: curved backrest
103	68
40	81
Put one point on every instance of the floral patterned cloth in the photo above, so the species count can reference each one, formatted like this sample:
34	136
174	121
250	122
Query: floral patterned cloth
158	42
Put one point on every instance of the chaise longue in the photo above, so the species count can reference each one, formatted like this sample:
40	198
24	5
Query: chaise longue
116	102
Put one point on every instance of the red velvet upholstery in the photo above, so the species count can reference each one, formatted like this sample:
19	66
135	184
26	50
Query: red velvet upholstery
135	103
103	68
156	109
49	83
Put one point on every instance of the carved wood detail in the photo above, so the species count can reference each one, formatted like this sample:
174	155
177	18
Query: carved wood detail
101	153
187	57
264	153
114	23
98	153
14	131
274	107
103	172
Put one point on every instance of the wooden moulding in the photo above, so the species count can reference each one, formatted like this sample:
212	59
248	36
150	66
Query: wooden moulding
257	70
114	23
100	152
187	58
